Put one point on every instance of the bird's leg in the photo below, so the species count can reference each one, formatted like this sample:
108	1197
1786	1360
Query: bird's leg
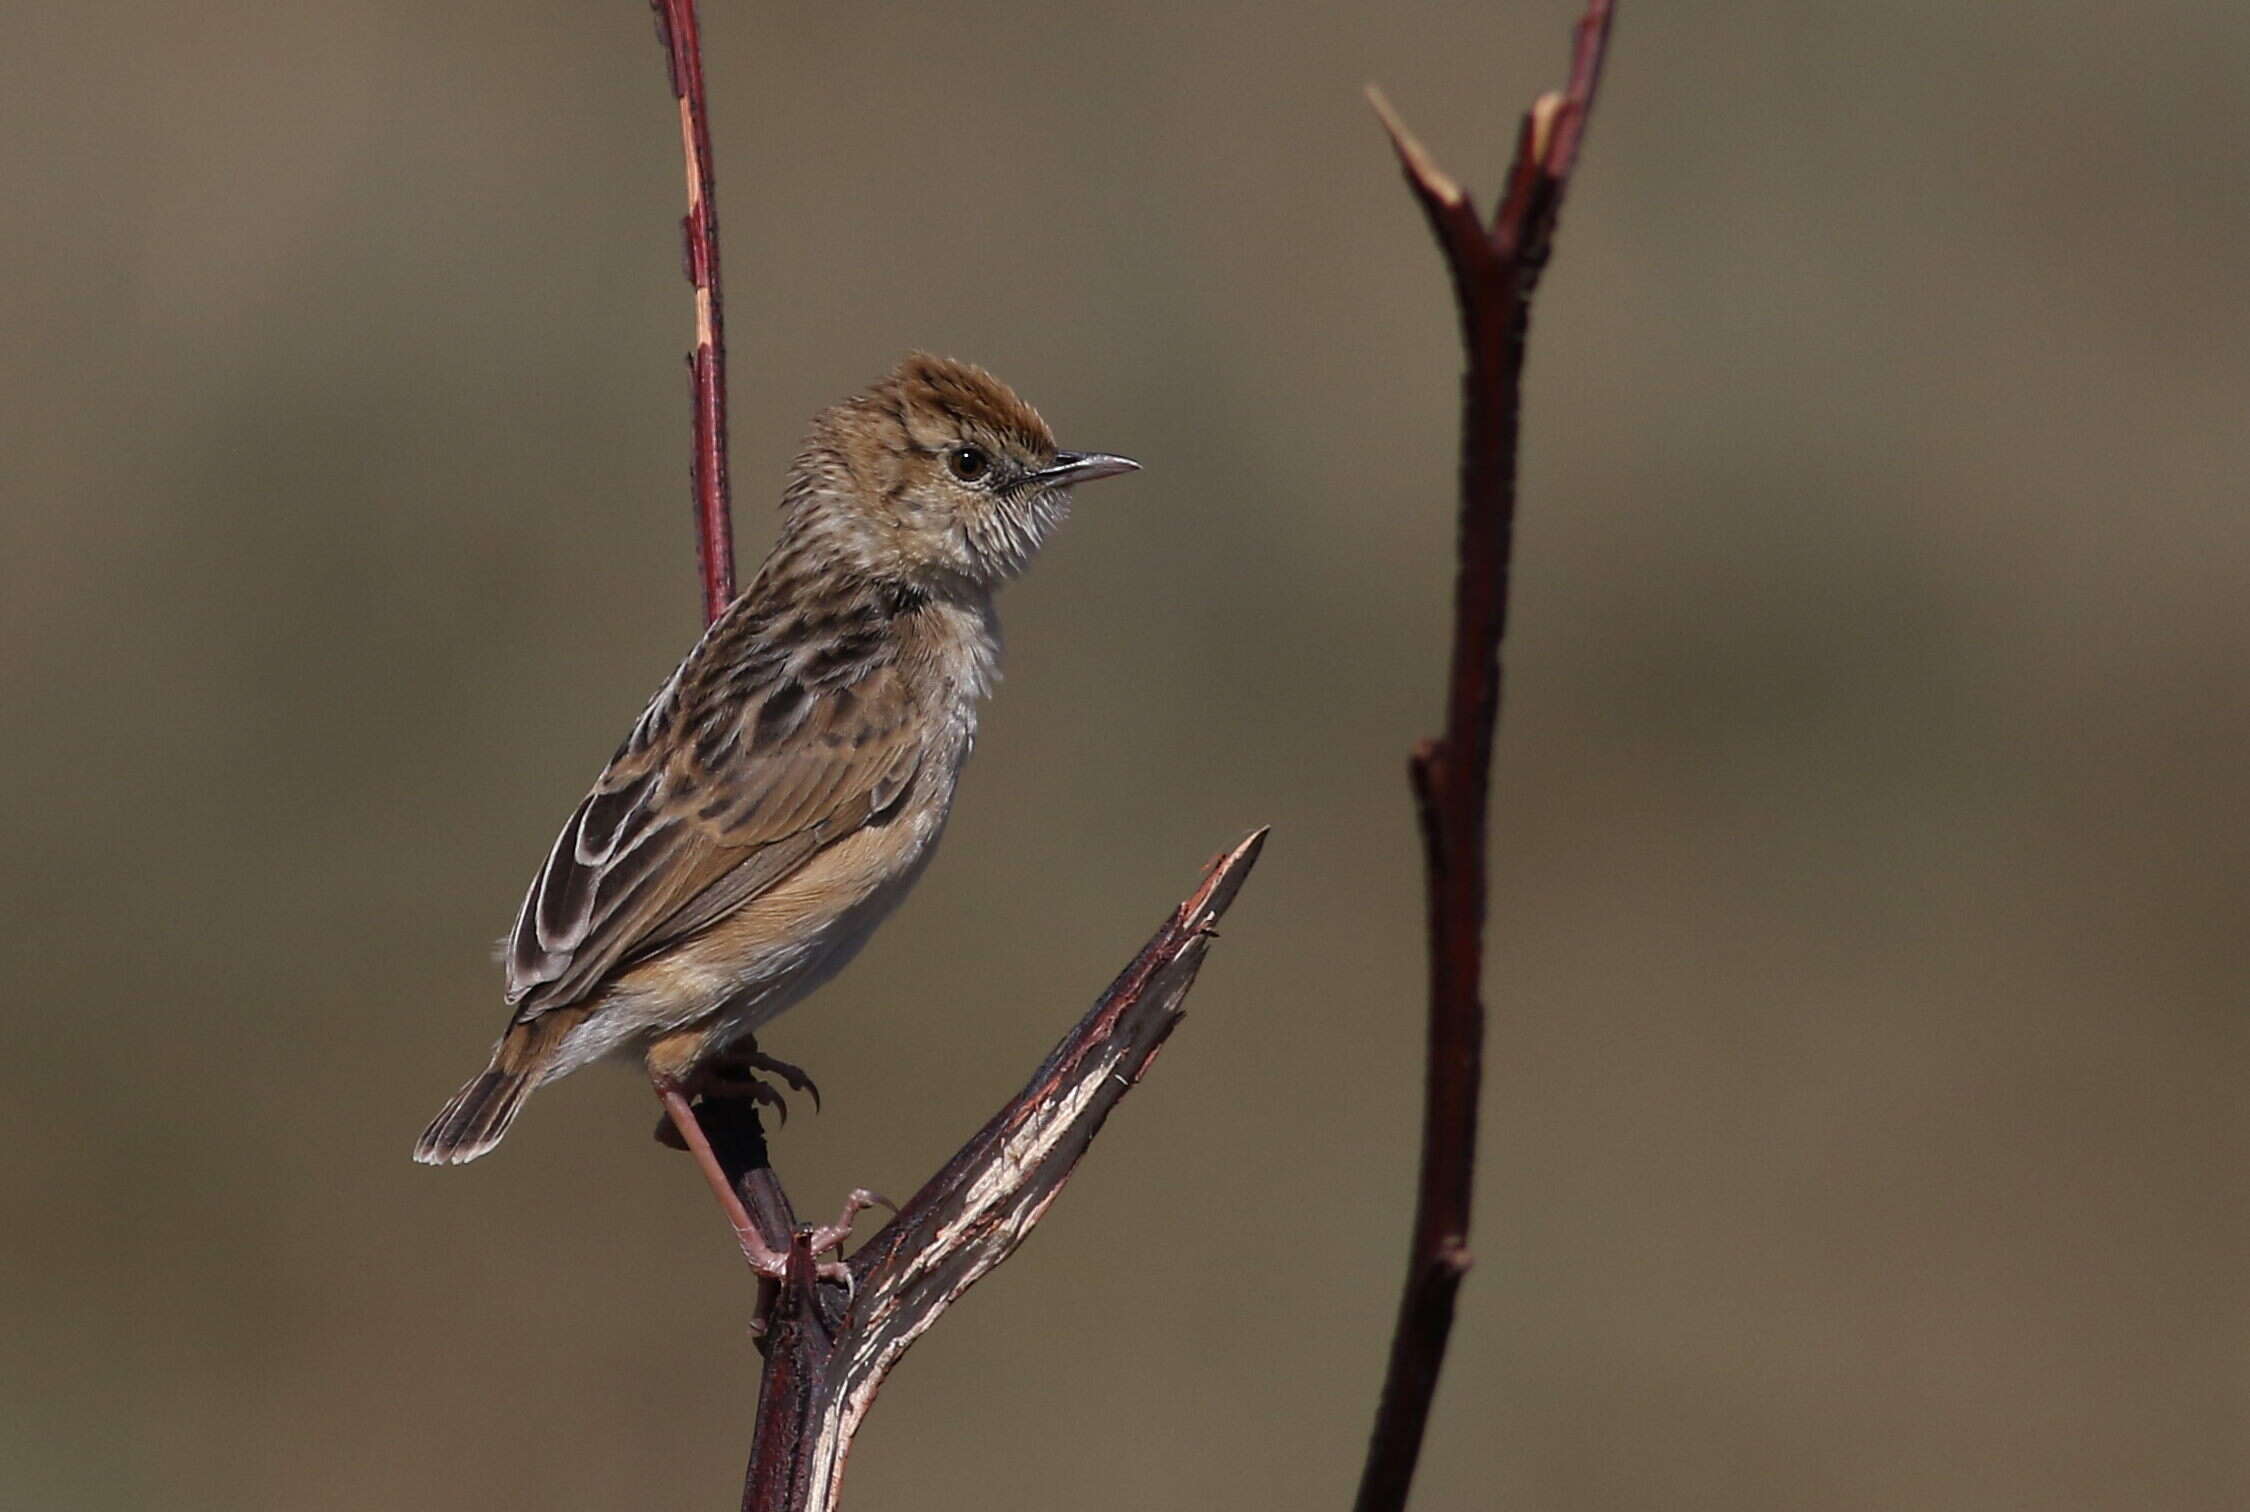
734	1074
672	1070
711	1083
763	1257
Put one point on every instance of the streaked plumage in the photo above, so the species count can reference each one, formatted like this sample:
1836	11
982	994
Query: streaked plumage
786	785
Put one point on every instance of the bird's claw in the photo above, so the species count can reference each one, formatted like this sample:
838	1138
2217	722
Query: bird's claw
736	1076
751	1059
773	1265
832	1236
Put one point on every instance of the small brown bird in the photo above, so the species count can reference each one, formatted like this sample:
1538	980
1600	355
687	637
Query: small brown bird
786	786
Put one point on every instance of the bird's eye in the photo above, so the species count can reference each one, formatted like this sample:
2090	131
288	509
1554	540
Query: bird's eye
969	463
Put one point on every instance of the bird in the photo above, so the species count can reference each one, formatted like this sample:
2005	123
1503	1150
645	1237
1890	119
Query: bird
786	786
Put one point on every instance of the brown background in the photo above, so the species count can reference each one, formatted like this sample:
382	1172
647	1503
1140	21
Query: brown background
1866	1118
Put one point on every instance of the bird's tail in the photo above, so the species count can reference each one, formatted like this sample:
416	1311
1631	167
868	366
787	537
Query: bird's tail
479	1114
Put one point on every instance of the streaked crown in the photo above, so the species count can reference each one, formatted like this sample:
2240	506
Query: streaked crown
937	475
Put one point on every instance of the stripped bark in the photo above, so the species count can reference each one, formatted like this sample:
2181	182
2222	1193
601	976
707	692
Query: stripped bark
827	1353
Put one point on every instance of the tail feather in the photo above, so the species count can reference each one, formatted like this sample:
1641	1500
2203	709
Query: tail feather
479	1114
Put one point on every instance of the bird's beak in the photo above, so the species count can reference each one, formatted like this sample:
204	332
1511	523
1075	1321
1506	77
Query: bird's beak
1083	467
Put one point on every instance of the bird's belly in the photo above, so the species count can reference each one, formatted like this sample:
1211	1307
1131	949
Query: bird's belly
772	952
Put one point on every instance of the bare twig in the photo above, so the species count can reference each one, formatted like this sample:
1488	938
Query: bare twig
707	364
1494	272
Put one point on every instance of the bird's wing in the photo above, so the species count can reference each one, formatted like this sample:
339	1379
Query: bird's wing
719	793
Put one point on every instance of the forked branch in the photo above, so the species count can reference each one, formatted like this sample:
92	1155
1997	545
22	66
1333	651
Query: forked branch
1494	271
827	1353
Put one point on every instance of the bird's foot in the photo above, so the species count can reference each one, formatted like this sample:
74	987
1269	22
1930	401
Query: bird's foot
745	1063
771	1266
770	1283
832	1236
735	1075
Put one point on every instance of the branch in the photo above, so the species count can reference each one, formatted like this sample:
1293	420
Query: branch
826	1356
1494	273
707	364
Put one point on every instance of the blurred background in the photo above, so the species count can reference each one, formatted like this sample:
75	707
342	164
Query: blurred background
1866	1108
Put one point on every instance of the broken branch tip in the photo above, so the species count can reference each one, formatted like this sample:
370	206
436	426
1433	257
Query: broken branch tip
1413	156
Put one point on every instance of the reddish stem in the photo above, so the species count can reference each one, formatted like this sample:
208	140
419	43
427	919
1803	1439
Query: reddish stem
1493	274
707	363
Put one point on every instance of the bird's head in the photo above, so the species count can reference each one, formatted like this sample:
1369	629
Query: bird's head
937	475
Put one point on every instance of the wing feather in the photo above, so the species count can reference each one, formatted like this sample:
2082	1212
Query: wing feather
721	791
